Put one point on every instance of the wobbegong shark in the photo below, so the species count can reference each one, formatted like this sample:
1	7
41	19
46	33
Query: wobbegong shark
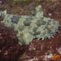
32	26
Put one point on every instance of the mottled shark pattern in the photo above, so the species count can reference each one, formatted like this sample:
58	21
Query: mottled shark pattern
30	27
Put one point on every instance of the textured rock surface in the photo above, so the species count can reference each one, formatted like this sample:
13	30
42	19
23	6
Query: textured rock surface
10	50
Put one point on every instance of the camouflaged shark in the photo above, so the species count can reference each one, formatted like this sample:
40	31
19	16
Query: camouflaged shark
30	27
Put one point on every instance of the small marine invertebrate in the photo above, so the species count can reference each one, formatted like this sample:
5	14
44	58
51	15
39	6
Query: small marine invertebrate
56	57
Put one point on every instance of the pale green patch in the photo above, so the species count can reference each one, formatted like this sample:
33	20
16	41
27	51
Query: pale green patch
30	27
